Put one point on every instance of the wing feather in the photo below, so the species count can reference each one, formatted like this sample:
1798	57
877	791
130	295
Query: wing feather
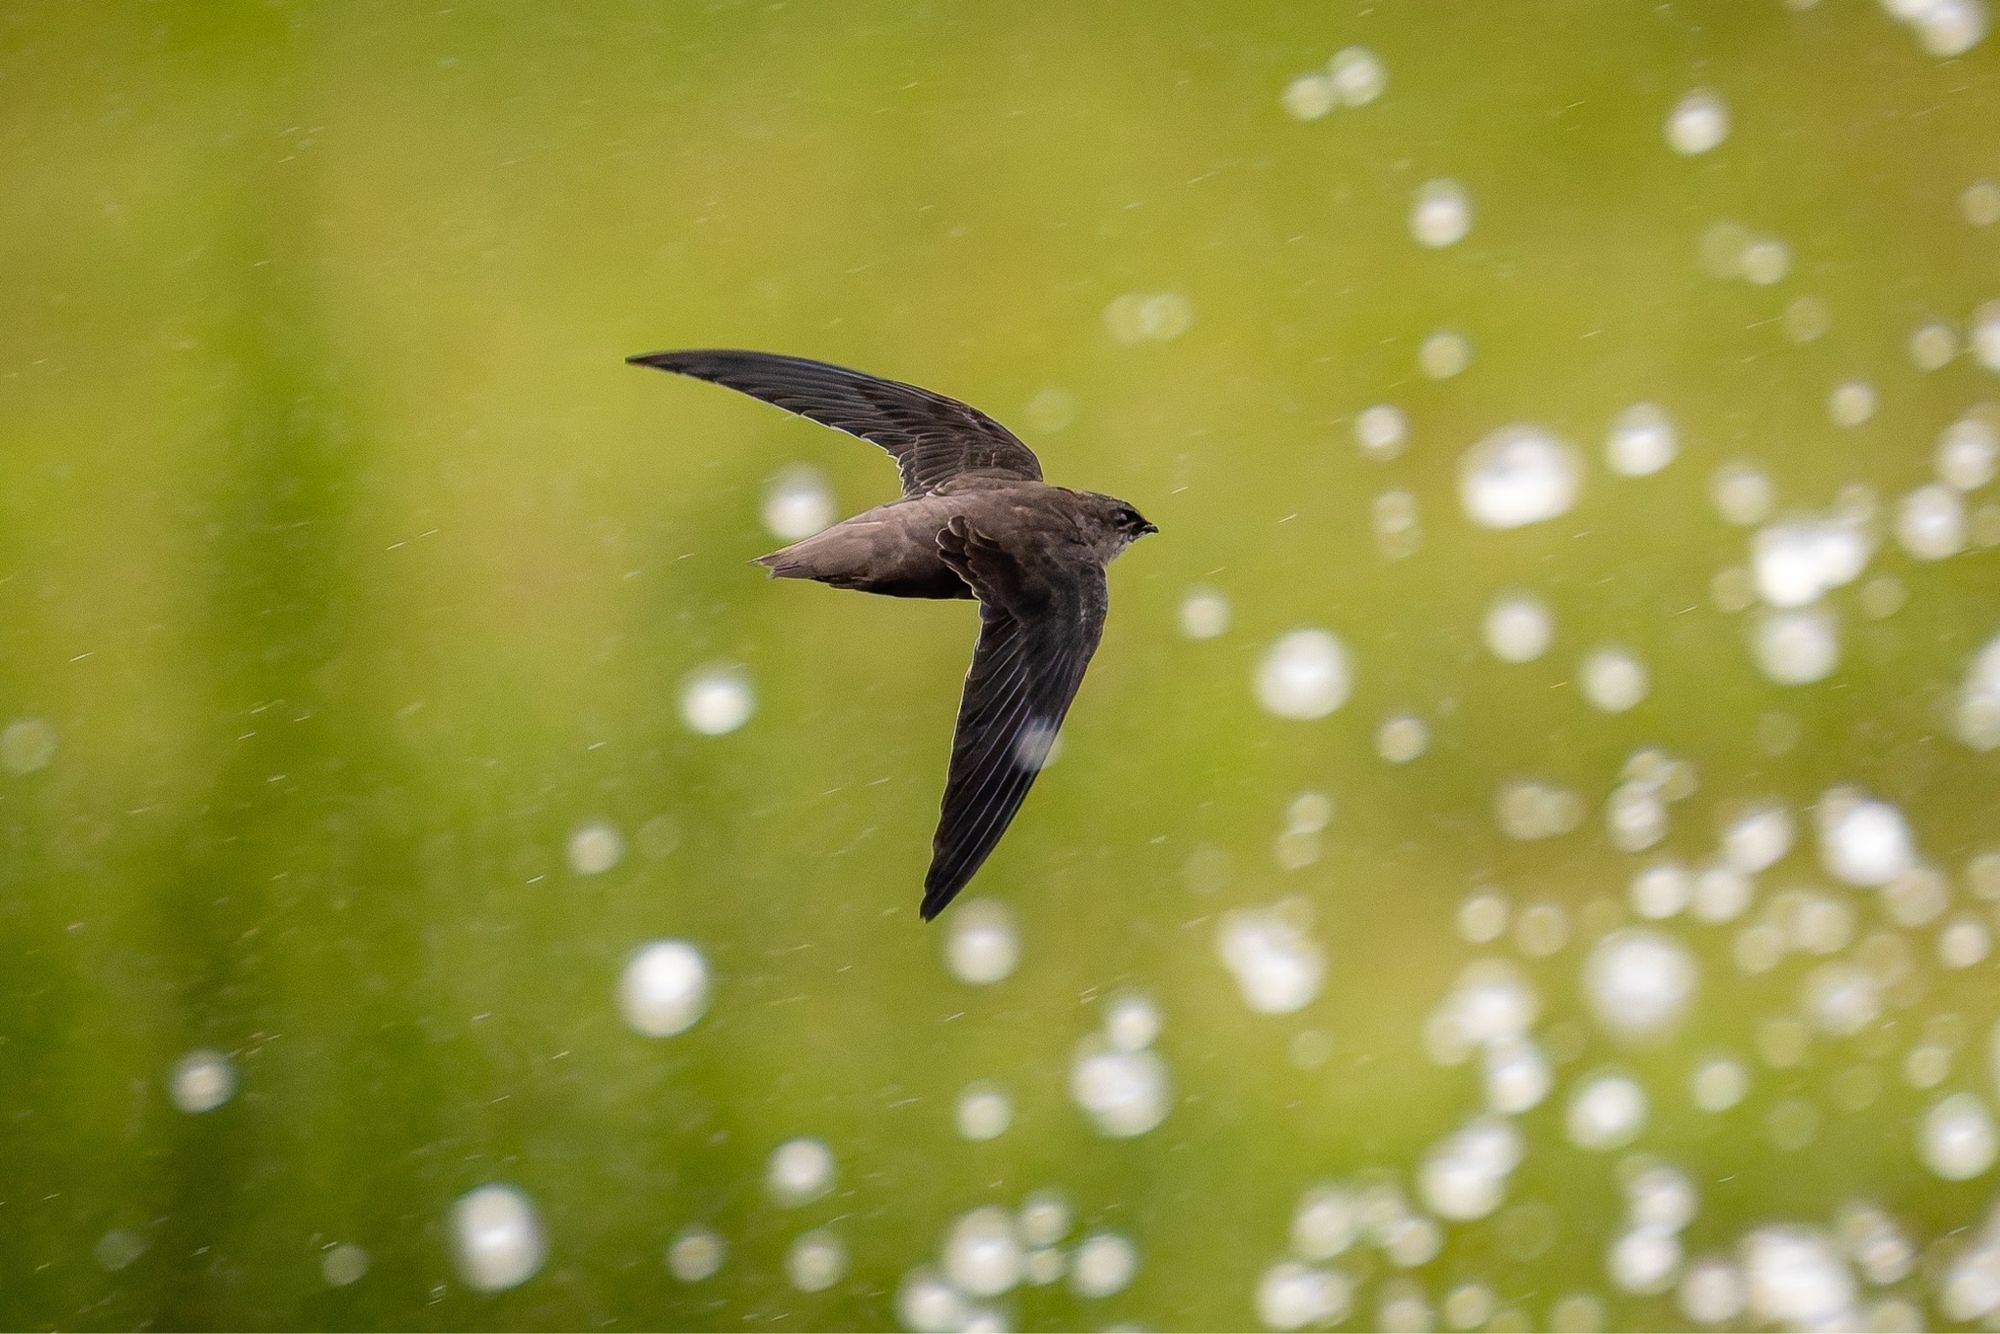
932	438
1039	626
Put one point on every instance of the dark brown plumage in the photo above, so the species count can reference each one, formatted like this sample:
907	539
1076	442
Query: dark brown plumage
975	520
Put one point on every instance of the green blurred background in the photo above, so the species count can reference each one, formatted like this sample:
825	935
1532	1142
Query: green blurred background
347	576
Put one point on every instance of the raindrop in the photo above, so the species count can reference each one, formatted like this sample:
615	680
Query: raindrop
1204	613
1518	475
1957	1137
496	1237
1722	247
1440	215
1862	841
201	1081
1528	809
1052	409
343	1264
1397	533
1401	738
1325	1223
1613	679
1148	317
1309	96
1944	28
1964	942
1757	837
1358	75
1977	717
1718	1083
815	1260
595	847
1721	894
1403	1310
117	1249
1606	1111
27	744
798	503
1966	453
1304	675
1979	203
982	945
664	988
1712	1292
1044	1218
1796	1277
1795	646
1278	968
1517	1077
1930	522
1878	1247
1131	1021
983	1253
1660	1196
1492	1002
1542	930
659	836
716	700
1698	122
1639	981
1644	1259
1842	998
1766	260
1124	1093
1882	597
1661	890
1916	897
1518	627
1986	335
1043	1266
1105	1263
1642	441
1851	403
1291	1296
1807	319
696	1254
1465	1176
798	1172
1444	354
984	1111
1481	918
1381	431
925	1302
1468	1305
1742	494
1932	346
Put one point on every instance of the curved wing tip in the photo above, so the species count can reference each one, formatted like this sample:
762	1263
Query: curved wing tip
938	897
659	360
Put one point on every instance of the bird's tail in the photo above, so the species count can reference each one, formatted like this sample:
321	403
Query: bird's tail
790	563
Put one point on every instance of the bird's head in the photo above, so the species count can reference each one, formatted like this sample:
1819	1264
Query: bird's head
1120	524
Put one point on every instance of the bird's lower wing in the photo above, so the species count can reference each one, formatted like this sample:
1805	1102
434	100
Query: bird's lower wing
1040	621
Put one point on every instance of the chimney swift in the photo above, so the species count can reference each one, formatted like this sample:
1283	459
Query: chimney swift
975	520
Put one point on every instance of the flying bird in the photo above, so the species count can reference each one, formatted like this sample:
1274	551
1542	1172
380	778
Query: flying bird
975	520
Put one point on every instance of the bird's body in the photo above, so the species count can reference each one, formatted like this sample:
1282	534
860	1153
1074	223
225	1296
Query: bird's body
975	520
893	550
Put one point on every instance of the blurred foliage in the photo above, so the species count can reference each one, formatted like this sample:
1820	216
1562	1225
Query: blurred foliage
353	571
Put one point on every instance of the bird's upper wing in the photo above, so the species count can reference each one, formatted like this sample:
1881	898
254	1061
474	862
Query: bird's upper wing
933	438
1041	615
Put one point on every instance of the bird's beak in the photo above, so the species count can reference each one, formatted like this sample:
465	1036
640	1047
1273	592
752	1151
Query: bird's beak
1149	528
